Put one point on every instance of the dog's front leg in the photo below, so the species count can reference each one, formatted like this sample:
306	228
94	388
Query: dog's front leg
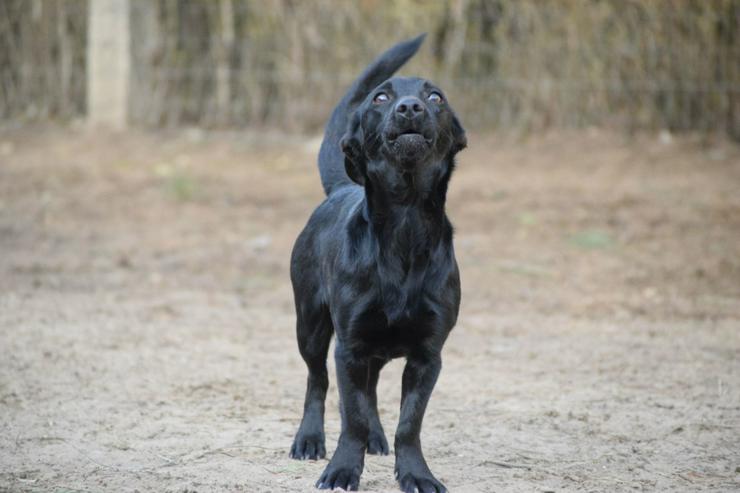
412	471
346	464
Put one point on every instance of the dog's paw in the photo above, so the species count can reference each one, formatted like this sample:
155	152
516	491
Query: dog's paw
344	477
377	444
308	446
420	483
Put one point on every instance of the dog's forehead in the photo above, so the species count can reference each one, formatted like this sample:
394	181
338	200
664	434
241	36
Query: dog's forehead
406	85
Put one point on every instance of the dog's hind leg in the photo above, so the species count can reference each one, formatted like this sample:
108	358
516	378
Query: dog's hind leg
376	442
314	329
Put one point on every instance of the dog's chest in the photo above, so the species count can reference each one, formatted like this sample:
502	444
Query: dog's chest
386	338
397	287
395	321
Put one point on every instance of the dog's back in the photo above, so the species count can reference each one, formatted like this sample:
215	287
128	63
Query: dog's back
331	158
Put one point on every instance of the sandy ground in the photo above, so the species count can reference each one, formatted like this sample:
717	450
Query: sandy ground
147	332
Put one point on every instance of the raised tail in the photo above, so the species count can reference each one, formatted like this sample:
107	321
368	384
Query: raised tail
331	158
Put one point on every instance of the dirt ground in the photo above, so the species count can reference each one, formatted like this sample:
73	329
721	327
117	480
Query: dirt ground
147	328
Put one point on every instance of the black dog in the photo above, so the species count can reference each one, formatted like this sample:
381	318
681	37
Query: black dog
375	265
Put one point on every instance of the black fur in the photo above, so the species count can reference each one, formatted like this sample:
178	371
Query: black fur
375	265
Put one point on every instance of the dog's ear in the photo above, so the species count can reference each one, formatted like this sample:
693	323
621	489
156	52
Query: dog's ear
459	139
354	157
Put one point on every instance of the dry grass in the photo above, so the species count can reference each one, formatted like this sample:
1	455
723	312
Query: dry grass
515	64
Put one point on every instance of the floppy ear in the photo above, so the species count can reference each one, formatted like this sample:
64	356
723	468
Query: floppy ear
354	156
459	139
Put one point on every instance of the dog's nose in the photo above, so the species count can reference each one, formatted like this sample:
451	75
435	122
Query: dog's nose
409	107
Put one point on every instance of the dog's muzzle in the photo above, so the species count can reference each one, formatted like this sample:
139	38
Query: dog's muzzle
409	135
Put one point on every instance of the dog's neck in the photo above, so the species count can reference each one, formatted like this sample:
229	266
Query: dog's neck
405	211
418	194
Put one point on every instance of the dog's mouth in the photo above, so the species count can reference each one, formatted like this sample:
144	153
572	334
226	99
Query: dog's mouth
409	147
409	144
409	135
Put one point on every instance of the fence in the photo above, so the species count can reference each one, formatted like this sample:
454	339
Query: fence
42	59
525	64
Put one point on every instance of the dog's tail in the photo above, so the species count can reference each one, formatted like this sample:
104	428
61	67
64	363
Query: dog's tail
331	158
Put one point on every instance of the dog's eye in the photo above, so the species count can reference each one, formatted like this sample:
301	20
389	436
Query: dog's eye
436	97
381	98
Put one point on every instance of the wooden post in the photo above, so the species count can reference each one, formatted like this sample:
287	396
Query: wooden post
224	49
109	59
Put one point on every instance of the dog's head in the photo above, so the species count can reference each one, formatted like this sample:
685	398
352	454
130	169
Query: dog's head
404	122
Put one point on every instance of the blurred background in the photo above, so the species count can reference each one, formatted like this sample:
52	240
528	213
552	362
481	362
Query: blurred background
158	159
632	65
